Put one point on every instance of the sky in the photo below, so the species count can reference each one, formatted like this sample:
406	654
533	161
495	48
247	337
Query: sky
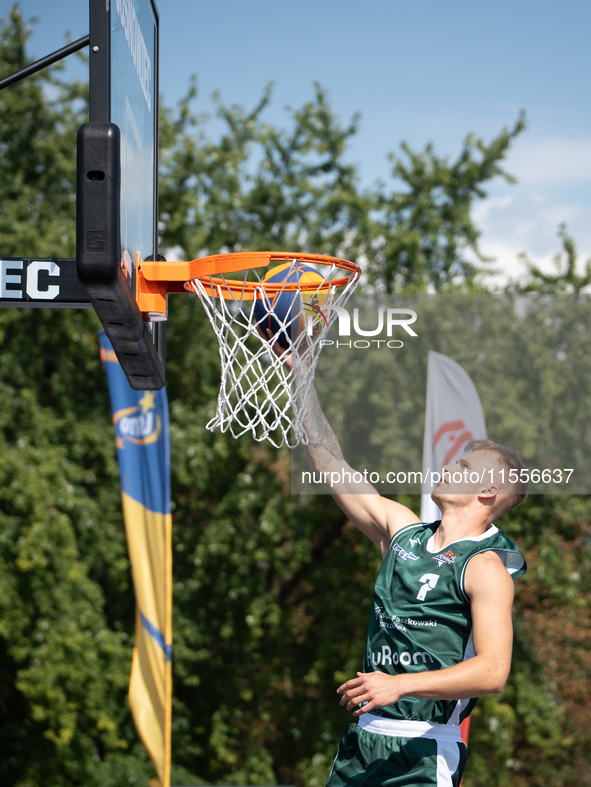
421	71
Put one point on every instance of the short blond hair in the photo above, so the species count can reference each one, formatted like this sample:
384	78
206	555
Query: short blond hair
511	461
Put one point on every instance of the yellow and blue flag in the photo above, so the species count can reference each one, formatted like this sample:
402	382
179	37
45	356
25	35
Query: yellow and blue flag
140	419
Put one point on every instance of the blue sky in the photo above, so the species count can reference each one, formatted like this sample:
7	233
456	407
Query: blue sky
417	71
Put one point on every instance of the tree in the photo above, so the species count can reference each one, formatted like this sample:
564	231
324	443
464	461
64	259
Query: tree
426	227
263	187
565	280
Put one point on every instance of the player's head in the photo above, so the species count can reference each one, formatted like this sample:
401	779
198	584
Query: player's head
487	475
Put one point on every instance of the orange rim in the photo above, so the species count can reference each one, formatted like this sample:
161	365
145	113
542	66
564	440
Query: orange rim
247	290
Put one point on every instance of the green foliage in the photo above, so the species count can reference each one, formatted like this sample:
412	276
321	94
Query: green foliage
427	227
64	652
565	280
536	732
271	592
262	187
259	186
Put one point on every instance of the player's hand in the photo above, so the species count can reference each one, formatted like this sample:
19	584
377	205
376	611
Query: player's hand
375	689
279	351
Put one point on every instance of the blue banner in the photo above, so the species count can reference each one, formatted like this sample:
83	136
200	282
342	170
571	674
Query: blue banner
140	419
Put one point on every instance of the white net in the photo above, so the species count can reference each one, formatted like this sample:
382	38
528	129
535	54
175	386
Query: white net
262	330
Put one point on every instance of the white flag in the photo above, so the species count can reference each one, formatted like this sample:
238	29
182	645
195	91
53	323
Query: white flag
453	417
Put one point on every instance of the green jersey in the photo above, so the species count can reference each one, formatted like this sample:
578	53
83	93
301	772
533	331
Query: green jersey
421	617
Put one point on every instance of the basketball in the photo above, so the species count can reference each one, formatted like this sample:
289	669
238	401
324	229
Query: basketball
283	312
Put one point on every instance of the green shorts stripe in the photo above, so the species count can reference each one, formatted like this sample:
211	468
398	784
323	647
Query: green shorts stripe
368	759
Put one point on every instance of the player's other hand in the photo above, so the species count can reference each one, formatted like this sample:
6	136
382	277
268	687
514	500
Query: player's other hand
370	690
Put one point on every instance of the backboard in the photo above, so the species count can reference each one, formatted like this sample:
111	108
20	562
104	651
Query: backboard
117	184
134	108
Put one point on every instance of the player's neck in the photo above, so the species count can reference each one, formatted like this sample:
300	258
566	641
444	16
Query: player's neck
457	524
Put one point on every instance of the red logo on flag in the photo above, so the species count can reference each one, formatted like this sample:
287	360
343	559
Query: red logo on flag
456	433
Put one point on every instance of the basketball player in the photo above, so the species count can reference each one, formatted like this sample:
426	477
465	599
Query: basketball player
440	632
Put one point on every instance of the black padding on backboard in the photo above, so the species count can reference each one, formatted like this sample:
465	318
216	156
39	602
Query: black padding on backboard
98	255
98	204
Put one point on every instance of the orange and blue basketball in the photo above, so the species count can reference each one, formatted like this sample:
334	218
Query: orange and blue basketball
282	312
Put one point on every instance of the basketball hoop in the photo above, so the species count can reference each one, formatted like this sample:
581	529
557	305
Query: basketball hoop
258	393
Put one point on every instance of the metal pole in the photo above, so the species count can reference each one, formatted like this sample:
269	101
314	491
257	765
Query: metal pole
32	68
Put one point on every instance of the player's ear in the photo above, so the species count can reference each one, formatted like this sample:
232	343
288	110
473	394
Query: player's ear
488	492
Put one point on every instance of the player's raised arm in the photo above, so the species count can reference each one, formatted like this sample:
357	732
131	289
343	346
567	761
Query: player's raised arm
376	516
